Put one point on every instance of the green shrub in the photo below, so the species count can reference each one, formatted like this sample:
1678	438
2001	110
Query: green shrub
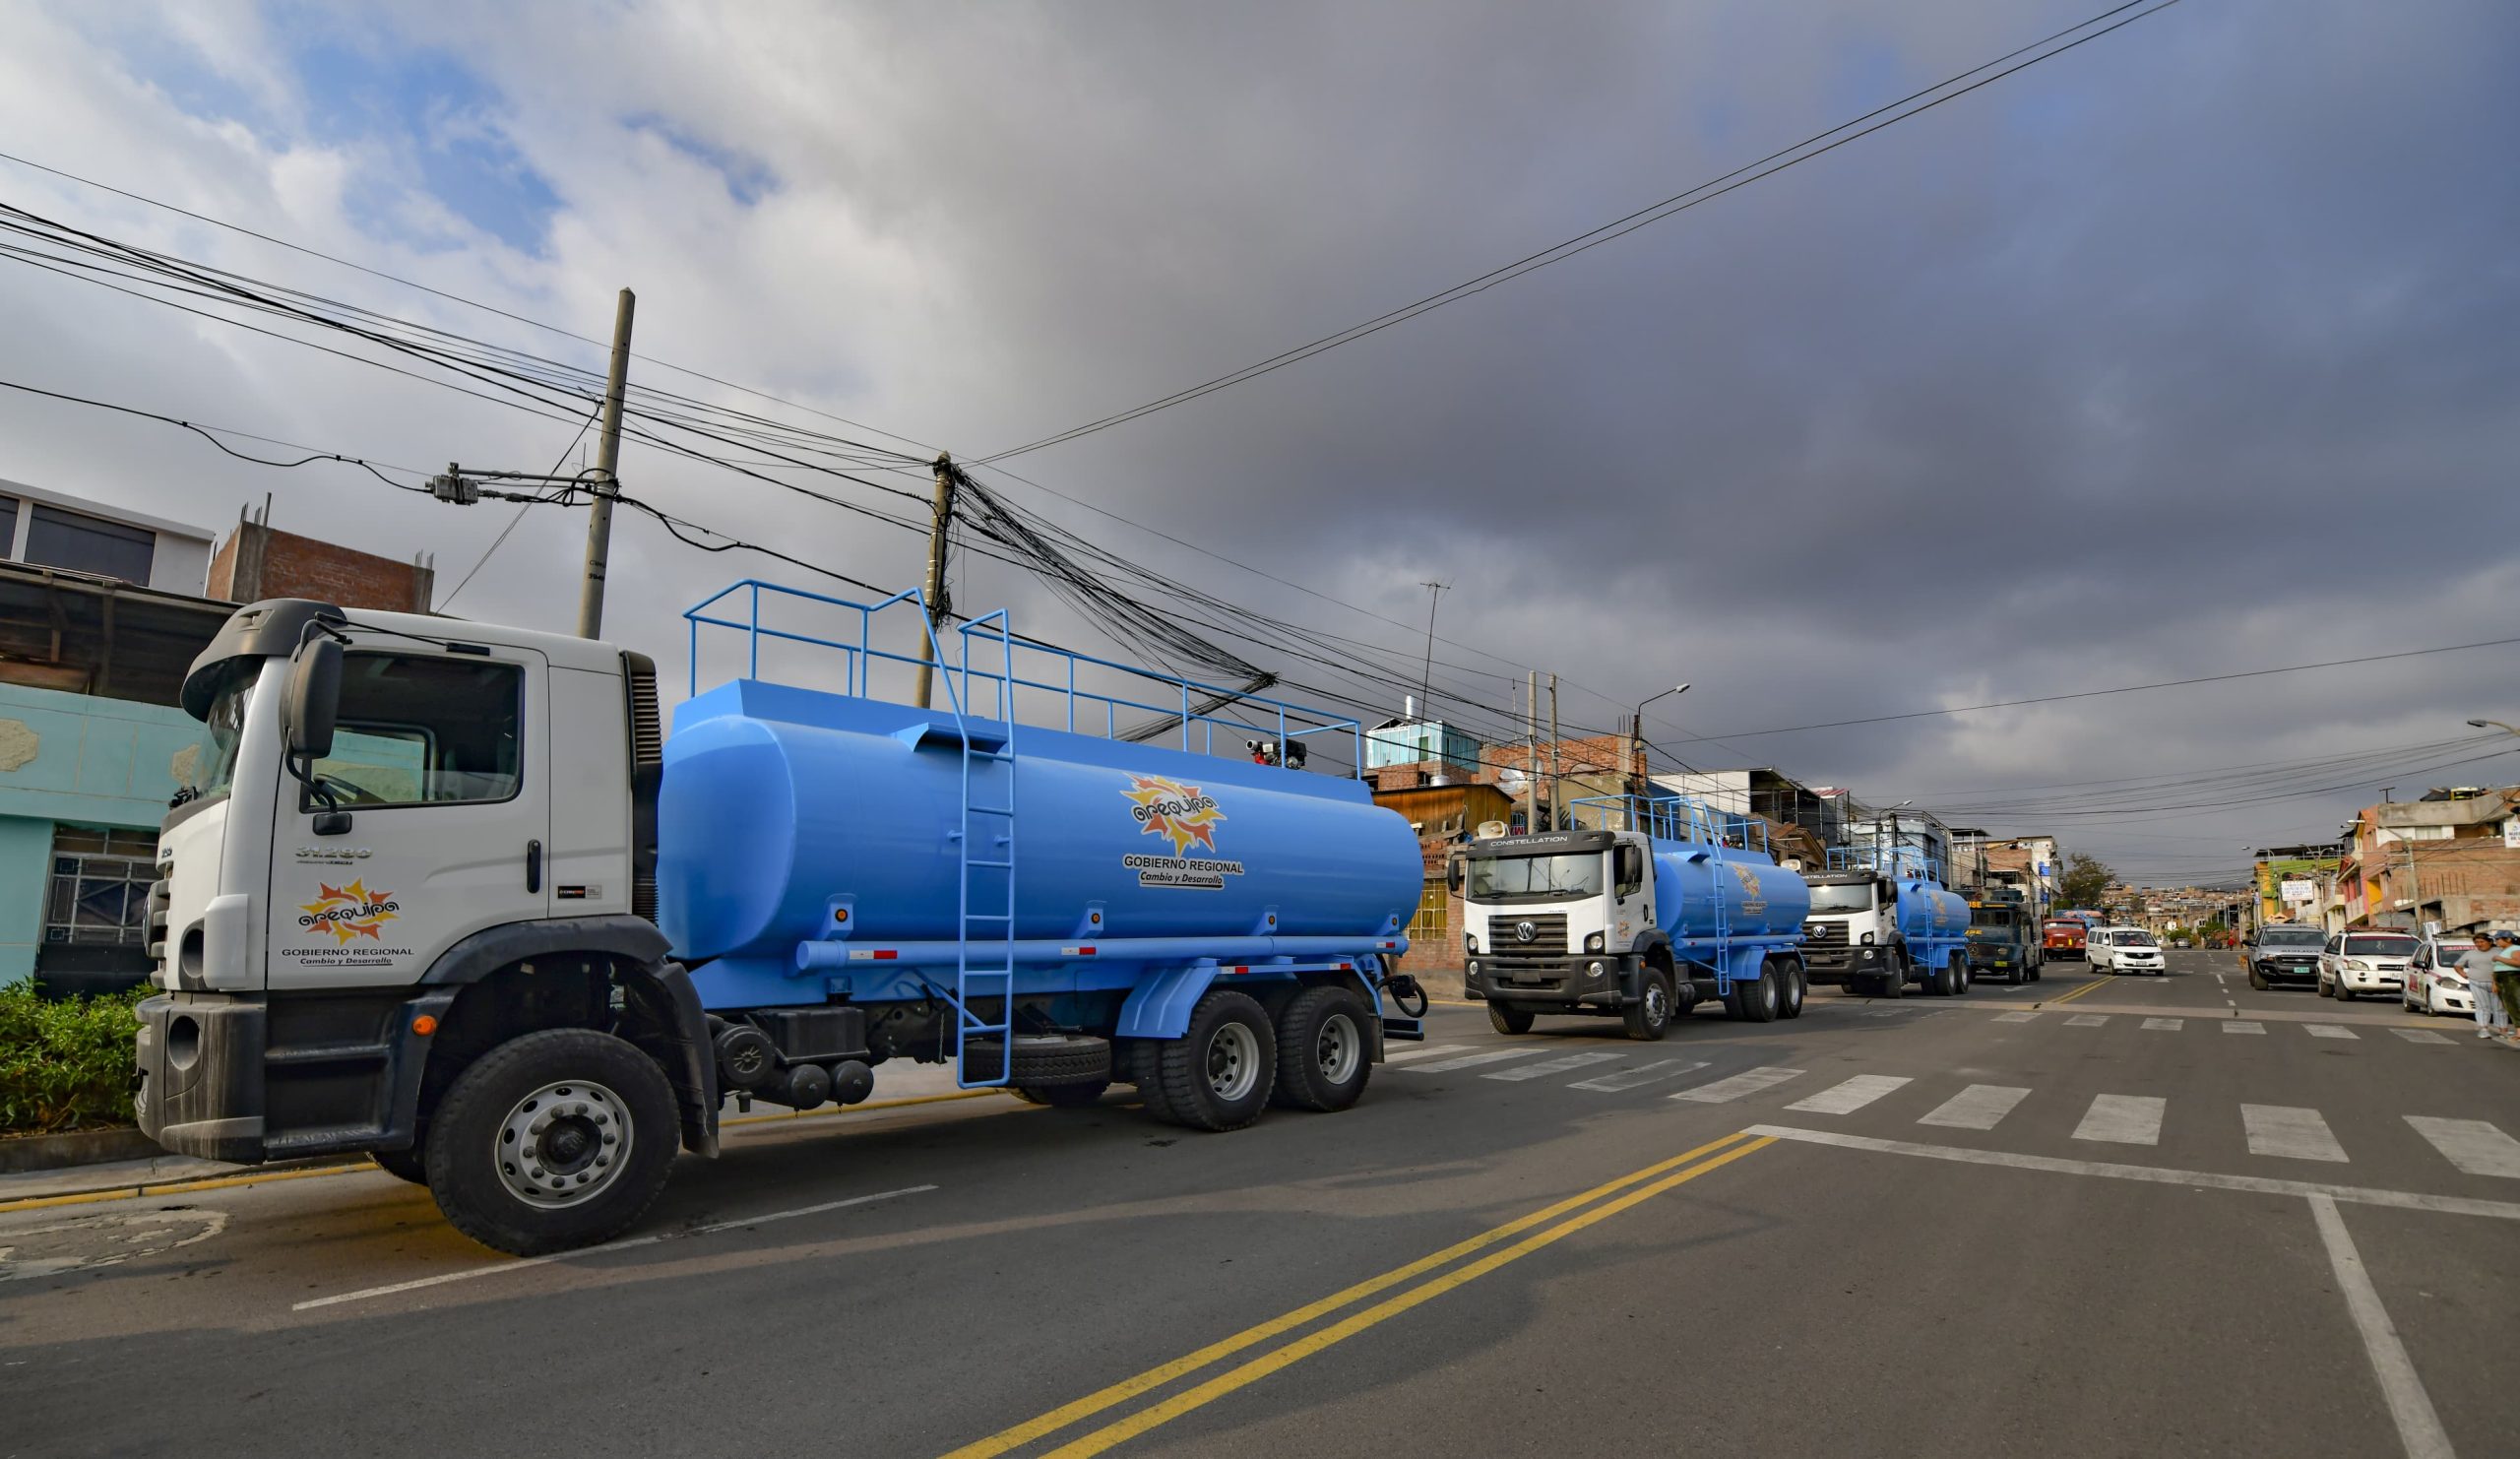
63	1064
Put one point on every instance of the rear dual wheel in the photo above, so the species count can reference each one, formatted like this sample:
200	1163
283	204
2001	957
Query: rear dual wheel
1757	999
1324	1058
1792	989
1218	1074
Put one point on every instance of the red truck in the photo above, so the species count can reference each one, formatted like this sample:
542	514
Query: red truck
2065	939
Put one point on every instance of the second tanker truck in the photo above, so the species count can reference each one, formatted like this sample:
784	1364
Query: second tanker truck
1667	906
1881	920
447	893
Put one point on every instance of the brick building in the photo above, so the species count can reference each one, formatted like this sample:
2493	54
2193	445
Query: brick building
259	561
2452	858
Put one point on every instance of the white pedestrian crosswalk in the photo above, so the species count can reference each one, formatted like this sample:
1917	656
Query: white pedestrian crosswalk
2420	1036
1420	1051
2166	1025
2330	1031
2243	1025
2087	1020
2273	1132
2015	1017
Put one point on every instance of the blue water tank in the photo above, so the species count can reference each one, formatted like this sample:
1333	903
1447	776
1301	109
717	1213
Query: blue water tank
1930	913
1694	884
783	808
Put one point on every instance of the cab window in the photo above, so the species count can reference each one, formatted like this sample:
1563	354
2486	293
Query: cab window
424	729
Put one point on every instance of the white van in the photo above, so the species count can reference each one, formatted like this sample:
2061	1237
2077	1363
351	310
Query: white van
2124	950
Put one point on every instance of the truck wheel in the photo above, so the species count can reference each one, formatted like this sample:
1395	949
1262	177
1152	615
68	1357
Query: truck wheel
1954	976
1894	983
550	1141
1790	989
1504	1018
1146	1071
1062	1096
1322	1060
1650	1017
403	1165
1217	1075
1755	1000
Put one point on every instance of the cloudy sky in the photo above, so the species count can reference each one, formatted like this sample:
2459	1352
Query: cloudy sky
2192	350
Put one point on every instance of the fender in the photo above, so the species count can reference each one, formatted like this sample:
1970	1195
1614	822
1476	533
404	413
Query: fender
471	958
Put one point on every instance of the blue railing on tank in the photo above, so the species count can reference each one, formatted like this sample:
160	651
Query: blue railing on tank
1286	722
1673	818
1888	860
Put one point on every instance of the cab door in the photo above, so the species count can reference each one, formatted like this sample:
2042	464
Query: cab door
432	820
1632	895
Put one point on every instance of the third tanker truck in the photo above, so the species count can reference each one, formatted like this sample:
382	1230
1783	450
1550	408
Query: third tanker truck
449	894
1880	920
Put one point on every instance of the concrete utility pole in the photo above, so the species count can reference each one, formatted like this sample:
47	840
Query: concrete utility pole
1530	739
1556	771
1427	680
947	474
608	459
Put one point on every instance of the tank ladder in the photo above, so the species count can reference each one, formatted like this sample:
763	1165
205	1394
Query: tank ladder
984	959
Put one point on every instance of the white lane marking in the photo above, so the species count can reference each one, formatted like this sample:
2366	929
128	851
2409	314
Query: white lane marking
2404	1200
1653	1073
2421	1036
521	1262
2330	1031
2123	1119
1473	1060
1423	1050
2015	1017
1566	1065
2086	1020
1851	1096
2290	1133
2419	1427
1726	1091
2243	1026
2166	1025
1980	1106
2474	1146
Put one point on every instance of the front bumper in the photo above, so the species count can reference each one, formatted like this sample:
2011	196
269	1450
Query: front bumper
2286	972
199	1059
1835	965
2377	980
2137	965
1601	979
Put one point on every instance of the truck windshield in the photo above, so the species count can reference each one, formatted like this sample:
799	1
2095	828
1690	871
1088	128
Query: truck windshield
1535	877
215	755
1990	916
1842	897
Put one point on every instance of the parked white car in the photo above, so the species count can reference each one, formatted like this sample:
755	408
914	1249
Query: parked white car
2127	950
2434	983
2356	963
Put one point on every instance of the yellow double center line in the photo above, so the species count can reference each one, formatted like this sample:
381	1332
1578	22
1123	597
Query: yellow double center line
1581	1210
2087	989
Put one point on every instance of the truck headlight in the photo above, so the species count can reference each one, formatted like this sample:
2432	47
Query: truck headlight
1867	939
1470	942
1593	943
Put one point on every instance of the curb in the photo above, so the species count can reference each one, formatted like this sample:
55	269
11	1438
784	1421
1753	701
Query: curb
20	1154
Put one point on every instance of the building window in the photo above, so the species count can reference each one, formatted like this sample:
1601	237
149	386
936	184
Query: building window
1426	928
92	544
8	526
100	892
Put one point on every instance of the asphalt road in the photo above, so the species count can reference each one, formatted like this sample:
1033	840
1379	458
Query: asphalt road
2088	1216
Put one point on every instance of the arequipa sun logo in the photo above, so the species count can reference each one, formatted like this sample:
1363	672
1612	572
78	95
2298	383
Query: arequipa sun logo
1171	810
349	911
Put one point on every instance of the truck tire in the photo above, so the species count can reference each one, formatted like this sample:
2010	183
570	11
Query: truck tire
1507	1019
1062	1096
1756	1000
1042	1060
1955	977
1217	1075
550	1141
403	1165
1145	1070
1791	990
1649	1018
1324	1056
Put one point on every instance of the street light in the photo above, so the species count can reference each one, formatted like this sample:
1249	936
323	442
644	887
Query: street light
2492	725
1682	688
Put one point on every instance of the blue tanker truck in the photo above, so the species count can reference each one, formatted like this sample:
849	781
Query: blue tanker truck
447	893
1881	918
1662	905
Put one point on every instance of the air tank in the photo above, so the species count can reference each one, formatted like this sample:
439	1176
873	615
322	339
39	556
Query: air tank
1928	912
1694	884
787	815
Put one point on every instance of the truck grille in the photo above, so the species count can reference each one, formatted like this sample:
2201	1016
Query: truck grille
1549	937
1825	935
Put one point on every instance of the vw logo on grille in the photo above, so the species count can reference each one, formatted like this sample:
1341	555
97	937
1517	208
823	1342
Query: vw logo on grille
1524	932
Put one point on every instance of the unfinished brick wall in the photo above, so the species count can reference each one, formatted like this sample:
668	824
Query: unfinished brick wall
258	562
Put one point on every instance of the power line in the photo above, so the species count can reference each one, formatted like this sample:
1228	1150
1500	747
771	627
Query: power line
1678	203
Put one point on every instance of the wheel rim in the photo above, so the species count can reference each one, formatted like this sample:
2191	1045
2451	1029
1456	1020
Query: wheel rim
563	1144
1657	1004
1339	1048
1234	1062
1766	994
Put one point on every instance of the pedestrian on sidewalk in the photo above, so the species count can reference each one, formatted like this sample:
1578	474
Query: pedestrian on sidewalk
2506	981
2476	965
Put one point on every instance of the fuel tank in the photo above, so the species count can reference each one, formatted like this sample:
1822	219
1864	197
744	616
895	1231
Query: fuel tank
786	815
1700	888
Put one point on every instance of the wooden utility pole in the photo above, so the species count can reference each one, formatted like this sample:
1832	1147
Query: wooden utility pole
607	485
1531	770
947	474
1556	770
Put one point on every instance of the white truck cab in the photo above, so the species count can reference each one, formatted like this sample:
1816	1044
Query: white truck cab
409	845
1567	915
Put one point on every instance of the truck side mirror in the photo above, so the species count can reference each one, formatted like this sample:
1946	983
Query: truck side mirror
1452	874
313	700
